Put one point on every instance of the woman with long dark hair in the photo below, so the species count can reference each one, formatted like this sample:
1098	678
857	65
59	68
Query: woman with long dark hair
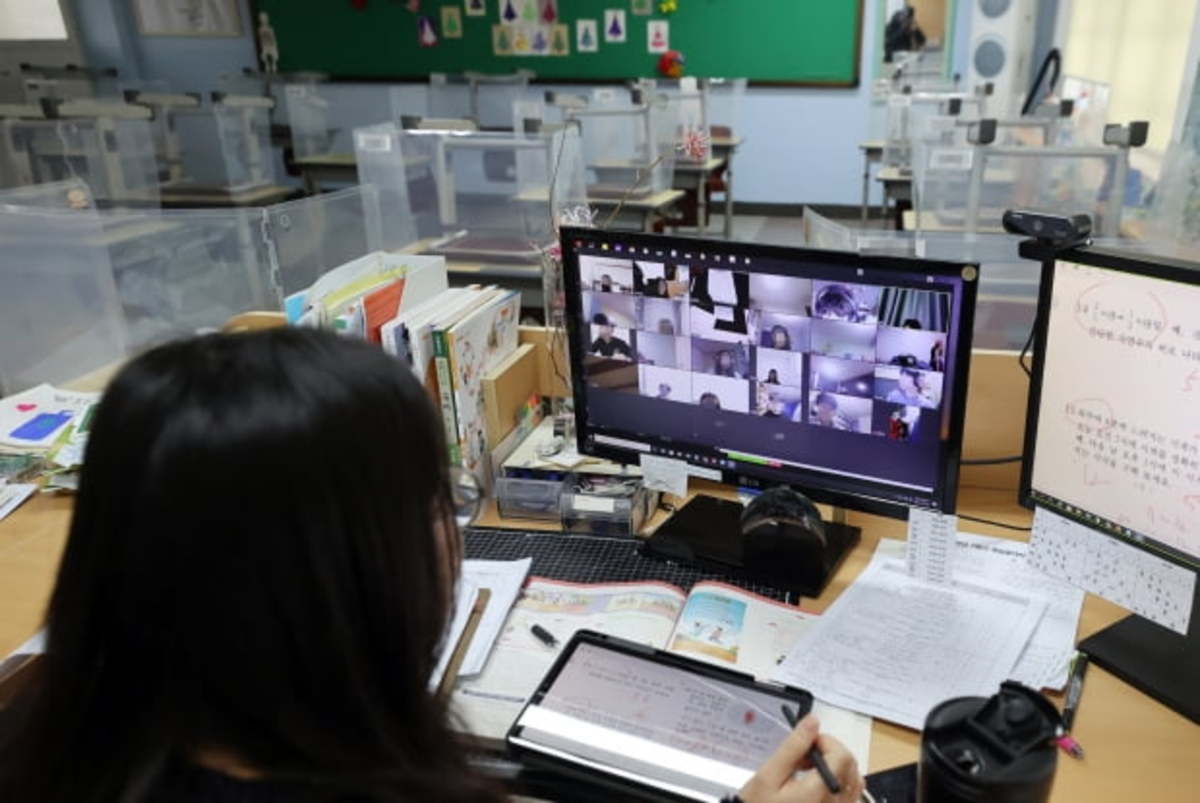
255	589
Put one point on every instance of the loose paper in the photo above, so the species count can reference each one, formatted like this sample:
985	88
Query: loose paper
11	497
658	36
1131	577
35	418
930	552
893	646
614	26
664	474
503	578
587	39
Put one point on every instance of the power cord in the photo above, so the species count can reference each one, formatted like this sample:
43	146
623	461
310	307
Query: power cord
1016	527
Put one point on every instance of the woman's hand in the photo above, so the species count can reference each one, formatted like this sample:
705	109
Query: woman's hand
776	780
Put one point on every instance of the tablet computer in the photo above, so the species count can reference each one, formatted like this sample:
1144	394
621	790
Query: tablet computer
649	722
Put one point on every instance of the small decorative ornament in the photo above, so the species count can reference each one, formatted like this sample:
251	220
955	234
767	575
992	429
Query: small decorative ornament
426	33
581	216
671	64
694	144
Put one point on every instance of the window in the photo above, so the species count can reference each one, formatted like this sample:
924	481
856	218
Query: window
26	20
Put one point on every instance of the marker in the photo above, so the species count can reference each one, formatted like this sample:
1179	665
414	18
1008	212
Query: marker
543	635
1068	744
814	756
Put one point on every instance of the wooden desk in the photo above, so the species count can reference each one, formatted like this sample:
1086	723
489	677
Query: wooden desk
1136	748
693	177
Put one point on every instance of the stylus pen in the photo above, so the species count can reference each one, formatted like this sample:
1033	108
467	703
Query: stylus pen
814	755
1074	689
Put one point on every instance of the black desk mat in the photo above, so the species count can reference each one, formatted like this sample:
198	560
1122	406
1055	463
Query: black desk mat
595	559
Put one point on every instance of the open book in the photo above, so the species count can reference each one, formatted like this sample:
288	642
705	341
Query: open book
717	623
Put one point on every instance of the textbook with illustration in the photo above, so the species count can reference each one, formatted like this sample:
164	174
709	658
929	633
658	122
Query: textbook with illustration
716	623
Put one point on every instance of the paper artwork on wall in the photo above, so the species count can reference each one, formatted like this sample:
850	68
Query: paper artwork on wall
658	36
452	22
614	25
587	39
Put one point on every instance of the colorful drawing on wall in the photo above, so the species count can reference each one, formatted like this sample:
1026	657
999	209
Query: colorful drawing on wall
501	40
587	39
529	12
426	32
508	11
549	11
641	8
476	8
452	22
614	25
560	41
521	41
541	43
658	36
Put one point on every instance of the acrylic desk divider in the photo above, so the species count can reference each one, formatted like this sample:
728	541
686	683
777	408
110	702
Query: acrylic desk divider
488	196
60	316
629	149
226	146
323	117
113	155
486	99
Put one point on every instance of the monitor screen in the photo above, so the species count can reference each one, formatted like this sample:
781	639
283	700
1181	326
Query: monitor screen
839	374
1114	422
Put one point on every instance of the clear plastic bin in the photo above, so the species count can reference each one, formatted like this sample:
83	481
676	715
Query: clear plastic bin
725	99
183	272
382	164
114	157
486	99
685	102
490	195
969	188
227	146
60	317
323	117
315	234
628	150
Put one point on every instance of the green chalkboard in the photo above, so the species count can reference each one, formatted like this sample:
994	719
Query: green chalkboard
806	42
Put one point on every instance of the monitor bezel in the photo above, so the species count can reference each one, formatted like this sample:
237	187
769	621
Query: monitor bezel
1155	267
748	475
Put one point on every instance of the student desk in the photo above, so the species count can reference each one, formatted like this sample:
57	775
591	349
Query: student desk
725	148
640	212
1136	748
340	168
206	199
872	151
897	186
694	177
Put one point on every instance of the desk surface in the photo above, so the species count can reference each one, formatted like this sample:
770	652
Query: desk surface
872	146
256	196
1136	748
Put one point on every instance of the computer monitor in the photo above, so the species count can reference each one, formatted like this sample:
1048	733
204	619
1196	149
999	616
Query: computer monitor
1113	434
841	375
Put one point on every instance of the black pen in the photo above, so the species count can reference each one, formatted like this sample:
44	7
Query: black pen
814	755
543	635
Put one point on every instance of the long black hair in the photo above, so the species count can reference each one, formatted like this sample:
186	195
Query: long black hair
254	568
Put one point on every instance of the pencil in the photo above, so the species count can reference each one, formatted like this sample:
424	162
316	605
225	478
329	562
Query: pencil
814	756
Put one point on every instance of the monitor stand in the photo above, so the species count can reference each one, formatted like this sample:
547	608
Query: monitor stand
1153	659
707	533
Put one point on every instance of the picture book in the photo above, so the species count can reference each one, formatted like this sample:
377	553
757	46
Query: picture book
716	623
35	418
475	344
444	385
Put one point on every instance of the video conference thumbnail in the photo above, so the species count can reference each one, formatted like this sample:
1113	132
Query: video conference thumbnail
858	358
